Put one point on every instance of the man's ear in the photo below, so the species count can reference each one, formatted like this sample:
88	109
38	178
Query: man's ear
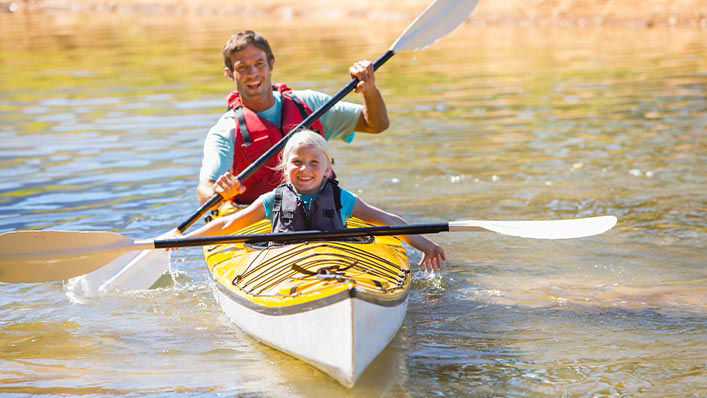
227	72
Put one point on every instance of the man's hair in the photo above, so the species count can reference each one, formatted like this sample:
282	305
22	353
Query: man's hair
240	41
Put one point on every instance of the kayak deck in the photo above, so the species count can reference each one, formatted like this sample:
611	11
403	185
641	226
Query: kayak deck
282	278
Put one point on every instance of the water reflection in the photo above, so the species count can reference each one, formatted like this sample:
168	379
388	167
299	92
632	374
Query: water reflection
102	126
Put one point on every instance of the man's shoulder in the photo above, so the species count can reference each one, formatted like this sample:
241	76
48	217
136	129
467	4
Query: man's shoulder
316	99
228	115
224	123
310	95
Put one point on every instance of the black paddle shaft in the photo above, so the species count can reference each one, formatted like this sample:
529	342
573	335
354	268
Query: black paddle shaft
306	123
301	236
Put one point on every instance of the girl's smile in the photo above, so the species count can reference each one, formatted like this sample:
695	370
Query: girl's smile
306	168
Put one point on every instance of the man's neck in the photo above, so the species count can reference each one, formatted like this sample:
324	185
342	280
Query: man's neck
259	104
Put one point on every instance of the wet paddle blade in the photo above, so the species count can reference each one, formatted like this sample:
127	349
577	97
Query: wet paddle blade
440	18
549	229
43	256
135	270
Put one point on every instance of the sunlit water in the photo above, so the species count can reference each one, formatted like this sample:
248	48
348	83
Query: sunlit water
102	123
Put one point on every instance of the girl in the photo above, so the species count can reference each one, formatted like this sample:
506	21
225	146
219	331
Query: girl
310	200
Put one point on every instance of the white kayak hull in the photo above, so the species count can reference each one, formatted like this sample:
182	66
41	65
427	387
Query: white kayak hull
341	339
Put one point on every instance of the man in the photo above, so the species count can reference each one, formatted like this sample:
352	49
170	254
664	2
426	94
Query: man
260	114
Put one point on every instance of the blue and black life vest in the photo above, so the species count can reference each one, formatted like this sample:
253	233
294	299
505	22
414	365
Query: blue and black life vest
289	213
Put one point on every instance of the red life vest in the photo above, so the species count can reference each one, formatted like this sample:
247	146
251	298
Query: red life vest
254	136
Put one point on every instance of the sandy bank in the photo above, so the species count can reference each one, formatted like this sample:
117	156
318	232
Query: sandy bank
640	13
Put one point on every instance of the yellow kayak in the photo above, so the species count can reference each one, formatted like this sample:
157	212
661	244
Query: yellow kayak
333	304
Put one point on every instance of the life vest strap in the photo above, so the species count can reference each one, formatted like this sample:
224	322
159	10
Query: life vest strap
277	203
243	127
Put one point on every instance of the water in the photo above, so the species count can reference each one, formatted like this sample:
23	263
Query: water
102	122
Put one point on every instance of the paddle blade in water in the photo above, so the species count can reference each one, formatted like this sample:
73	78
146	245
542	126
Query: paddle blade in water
137	270
43	256
549	229
440	18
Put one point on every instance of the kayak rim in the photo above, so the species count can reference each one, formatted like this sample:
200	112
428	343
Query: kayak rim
351	292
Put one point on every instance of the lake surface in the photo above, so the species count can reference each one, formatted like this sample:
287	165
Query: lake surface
102	122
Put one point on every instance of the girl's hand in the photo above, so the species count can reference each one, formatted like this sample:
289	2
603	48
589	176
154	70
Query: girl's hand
432	257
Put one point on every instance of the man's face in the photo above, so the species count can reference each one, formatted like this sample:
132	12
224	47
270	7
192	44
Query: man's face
251	73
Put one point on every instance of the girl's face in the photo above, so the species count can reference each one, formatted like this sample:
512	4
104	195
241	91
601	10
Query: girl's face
306	168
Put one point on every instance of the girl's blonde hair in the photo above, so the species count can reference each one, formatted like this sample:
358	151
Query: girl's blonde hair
303	138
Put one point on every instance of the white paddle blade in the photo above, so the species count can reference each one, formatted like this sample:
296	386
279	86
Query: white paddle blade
440	18
130	271
44	256
550	229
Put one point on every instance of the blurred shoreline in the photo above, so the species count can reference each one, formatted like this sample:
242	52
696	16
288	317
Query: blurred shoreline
551	13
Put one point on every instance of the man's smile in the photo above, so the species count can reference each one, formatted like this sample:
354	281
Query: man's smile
254	84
